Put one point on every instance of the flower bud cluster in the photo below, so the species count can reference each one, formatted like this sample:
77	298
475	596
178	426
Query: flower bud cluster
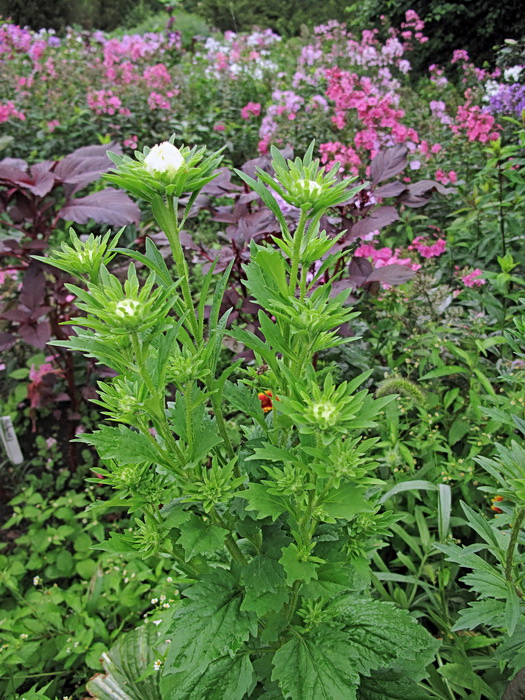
164	170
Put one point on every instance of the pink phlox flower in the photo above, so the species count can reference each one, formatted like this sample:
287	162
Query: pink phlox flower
428	248
473	279
251	109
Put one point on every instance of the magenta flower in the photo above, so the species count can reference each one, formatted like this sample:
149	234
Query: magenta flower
473	279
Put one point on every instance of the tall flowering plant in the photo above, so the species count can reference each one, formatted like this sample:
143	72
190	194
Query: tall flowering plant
269	534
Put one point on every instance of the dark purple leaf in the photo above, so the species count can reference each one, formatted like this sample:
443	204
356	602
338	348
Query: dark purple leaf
358	270
33	286
391	189
341	285
516	688
43	178
37	335
418	193
391	274
6	341
110	206
20	314
187	241
425	186
373	222
388	163
259	223
17	163
262	162
85	165
14	176
221	185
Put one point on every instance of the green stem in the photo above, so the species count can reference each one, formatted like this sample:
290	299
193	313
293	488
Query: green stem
182	267
293	602
520	515
296	252
231	544
188	395
223	432
159	414
501	216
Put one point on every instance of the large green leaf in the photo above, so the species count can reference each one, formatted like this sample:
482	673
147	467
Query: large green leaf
123	444
265	582
226	678
261	500
383	636
127	661
208	624
200	537
320	666
390	686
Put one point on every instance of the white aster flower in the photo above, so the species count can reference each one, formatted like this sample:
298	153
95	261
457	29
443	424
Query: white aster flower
164	158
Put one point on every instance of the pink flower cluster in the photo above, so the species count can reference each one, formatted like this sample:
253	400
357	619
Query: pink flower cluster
158	101
374	110
251	109
413	26
446	178
104	102
157	76
428	248
8	110
478	125
335	151
385	256
473	279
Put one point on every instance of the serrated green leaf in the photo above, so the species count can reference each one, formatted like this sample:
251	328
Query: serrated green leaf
200	537
296	569
333	578
490	613
123	444
208	624
390	686
383	636
266	504
226	678
265	582
345	502
317	667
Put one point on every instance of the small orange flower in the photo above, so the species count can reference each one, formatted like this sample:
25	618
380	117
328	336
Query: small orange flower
497	499
265	397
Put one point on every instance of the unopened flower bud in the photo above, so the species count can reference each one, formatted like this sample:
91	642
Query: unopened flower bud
164	158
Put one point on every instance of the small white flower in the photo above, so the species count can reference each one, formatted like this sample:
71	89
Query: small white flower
126	307
512	73
309	186
154	601
169	579
162	598
36	581
23	636
164	158
157	665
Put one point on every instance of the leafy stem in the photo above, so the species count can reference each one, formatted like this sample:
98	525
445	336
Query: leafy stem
520	515
231	544
172	234
296	252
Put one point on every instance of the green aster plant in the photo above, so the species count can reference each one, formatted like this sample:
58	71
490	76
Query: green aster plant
269	535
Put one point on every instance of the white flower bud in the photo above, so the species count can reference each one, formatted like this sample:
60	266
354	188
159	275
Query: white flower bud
164	158
309	186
